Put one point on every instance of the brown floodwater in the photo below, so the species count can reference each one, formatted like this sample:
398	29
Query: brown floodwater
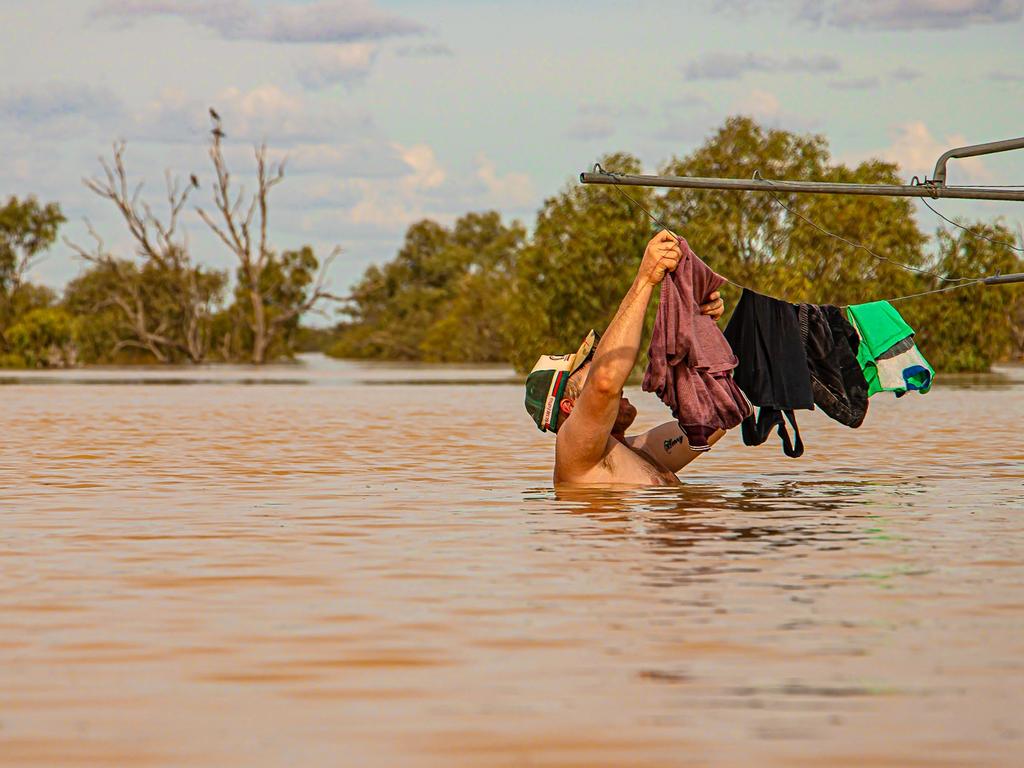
356	564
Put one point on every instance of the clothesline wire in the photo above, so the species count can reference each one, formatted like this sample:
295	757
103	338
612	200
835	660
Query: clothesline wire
975	281
1011	246
659	223
900	264
967	282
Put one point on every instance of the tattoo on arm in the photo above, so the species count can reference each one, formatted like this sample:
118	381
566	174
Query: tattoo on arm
669	444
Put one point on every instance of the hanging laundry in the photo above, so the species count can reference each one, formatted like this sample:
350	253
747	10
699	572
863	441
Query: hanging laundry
837	381
689	360
888	355
772	371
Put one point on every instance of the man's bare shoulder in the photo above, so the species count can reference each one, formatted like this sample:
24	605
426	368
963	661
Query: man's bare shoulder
569	468
619	465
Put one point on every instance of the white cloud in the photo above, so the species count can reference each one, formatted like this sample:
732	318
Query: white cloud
266	112
513	190
760	104
359	158
915	149
426	173
331	21
427	190
345	64
393	205
765	107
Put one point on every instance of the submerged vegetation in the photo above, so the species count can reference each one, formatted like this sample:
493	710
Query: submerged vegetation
482	290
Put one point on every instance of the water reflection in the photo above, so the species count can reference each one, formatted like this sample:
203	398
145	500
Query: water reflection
789	511
705	530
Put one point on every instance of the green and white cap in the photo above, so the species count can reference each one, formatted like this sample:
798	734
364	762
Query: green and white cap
546	383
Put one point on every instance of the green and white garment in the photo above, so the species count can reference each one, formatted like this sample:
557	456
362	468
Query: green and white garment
887	354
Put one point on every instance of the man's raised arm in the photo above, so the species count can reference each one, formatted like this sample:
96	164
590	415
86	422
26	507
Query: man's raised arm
583	438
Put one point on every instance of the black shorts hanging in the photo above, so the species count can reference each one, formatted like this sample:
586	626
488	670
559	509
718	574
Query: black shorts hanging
772	372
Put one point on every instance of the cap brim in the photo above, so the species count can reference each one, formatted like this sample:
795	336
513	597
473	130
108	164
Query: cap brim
584	352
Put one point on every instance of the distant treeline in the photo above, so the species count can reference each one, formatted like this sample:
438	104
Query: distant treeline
155	304
484	291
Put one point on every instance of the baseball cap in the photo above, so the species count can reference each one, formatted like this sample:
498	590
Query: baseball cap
546	383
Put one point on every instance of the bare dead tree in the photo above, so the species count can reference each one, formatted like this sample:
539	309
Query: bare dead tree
159	242
137	329
241	224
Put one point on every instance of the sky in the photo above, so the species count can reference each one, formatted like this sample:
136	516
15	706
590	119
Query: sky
389	111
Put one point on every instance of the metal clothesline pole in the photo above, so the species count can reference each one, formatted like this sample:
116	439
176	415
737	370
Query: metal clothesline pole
926	189
1016	277
934	188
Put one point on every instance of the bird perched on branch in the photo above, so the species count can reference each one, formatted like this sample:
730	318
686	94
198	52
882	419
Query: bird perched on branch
218	132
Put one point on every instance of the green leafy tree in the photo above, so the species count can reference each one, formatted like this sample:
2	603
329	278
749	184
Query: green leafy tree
27	229
442	298
583	257
160	309
130	312
469	325
392	306
287	285
42	338
100	325
968	329
1017	326
757	242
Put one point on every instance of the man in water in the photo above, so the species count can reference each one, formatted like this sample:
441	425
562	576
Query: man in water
579	396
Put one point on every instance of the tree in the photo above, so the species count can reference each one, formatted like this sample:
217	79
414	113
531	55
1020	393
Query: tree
100	323
1017	326
285	285
442	298
167	301
269	311
27	229
768	242
42	338
968	329
586	247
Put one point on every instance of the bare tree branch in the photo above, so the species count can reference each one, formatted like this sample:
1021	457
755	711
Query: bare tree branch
241	223
156	241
